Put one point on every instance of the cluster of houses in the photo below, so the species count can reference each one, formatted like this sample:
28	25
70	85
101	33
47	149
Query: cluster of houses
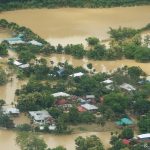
66	101
125	86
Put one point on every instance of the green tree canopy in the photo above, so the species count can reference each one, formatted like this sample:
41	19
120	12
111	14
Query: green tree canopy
88	143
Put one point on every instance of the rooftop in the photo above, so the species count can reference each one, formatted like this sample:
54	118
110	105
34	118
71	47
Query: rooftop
108	81
61	94
124	121
127	87
147	135
79	74
89	107
17	63
39	115
24	66
11	111
90	96
81	109
33	42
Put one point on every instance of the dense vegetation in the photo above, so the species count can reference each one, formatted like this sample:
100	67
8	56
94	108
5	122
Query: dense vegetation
8	4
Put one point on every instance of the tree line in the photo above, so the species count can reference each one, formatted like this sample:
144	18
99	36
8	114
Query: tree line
18	4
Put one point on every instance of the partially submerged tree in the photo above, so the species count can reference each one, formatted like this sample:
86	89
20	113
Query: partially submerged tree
30	141
88	143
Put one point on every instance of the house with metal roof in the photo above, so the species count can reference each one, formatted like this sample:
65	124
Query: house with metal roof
41	117
79	74
11	111
60	94
127	87
89	107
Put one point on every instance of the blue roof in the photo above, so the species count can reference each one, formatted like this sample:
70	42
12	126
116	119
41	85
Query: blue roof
124	121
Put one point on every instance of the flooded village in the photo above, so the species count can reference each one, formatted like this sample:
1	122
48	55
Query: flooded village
72	26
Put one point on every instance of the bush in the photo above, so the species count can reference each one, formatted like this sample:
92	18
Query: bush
24	127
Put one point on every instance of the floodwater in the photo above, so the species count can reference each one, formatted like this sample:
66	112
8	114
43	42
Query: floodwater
103	66
7	92
4	33
73	25
7	139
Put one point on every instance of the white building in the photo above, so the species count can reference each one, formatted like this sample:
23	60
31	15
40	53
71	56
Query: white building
52	127
127	87
41	117
33	42
108	81
11	111
144	136
15	42
79	74
17	63
89	107
60	94
23	66
148	78
90	96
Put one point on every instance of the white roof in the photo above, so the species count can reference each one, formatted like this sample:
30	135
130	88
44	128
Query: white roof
109	87
39	115
127	87
89	107
60	94
33	42
52	127
16	42
11	111
148	78
17	63
147	135
90	96
24	66
79	74
108	81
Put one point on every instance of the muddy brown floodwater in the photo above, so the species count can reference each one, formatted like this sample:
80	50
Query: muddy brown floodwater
7	139
102	66
4	33
73	25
